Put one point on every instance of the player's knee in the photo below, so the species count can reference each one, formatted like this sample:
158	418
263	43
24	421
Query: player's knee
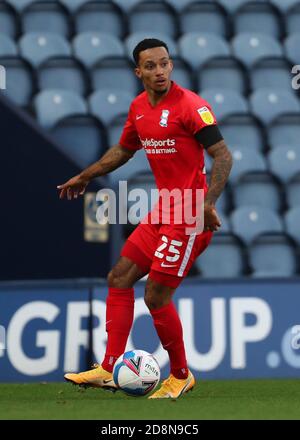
117	280
155	296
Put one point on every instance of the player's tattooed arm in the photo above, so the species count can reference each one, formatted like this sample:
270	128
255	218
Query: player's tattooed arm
115	157
222	163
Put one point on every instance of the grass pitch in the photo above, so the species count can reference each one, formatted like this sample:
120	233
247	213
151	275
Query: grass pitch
249	399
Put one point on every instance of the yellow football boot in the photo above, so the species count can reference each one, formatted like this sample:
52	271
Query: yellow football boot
172	388
97	377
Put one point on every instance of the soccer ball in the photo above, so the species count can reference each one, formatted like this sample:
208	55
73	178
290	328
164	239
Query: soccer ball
136	372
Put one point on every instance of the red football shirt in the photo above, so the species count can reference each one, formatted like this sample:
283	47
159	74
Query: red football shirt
167	134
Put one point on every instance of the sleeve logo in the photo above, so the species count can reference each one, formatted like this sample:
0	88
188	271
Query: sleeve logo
206	115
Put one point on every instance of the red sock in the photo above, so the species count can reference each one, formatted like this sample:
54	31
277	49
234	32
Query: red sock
169	330
119	317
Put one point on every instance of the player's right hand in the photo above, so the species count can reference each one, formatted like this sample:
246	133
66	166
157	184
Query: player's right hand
73	187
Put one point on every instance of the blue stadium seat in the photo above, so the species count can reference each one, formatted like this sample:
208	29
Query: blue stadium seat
108	104
225	102
115	128
246	160
284	5
182	73
72	5
196	48
81	138
271	73
292	191
115	73
104	17
285	130
244	131
133	39
46	17
65	73
267	104
37	47
20	5
225	225
137	165
292	222
233	74
20	81
223	258
152	16
232	6
292	19
179	5
9	24
250	221
7	46
272	255
53	105
257	189
203	17
126	5
284	162
251	47
91	47
258	17
291	47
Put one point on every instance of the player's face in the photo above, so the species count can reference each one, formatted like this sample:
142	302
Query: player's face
155	69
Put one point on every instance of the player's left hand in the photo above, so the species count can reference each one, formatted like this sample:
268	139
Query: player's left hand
211	218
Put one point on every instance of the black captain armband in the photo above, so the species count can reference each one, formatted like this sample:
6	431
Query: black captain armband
209	135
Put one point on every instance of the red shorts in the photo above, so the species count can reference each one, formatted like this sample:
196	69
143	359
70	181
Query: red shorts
166	252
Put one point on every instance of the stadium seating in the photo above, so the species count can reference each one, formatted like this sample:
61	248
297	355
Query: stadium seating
103	17
225	102
246	160
291	47
251	47
203	17
19	5
232	6
63	72
292	221
257	189
153	17
37	47
284	162
81	138
53	105
133	39
7	46
91	47
108	104
228	70
106	74
292	190
9	23
115	128
250	221
72	5
126	5
46	17
274	73
198	47
243	131
136	166
225	253
267	104
283	6
20	81
272	255
285	130
182	73
259	17
292	19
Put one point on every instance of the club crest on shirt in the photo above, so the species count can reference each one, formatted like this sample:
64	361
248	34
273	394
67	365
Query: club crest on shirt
164	118
206	115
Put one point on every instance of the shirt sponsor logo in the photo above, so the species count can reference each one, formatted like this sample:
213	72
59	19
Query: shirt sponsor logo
206	115
152	146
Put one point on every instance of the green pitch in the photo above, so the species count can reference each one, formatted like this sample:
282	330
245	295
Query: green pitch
251	399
